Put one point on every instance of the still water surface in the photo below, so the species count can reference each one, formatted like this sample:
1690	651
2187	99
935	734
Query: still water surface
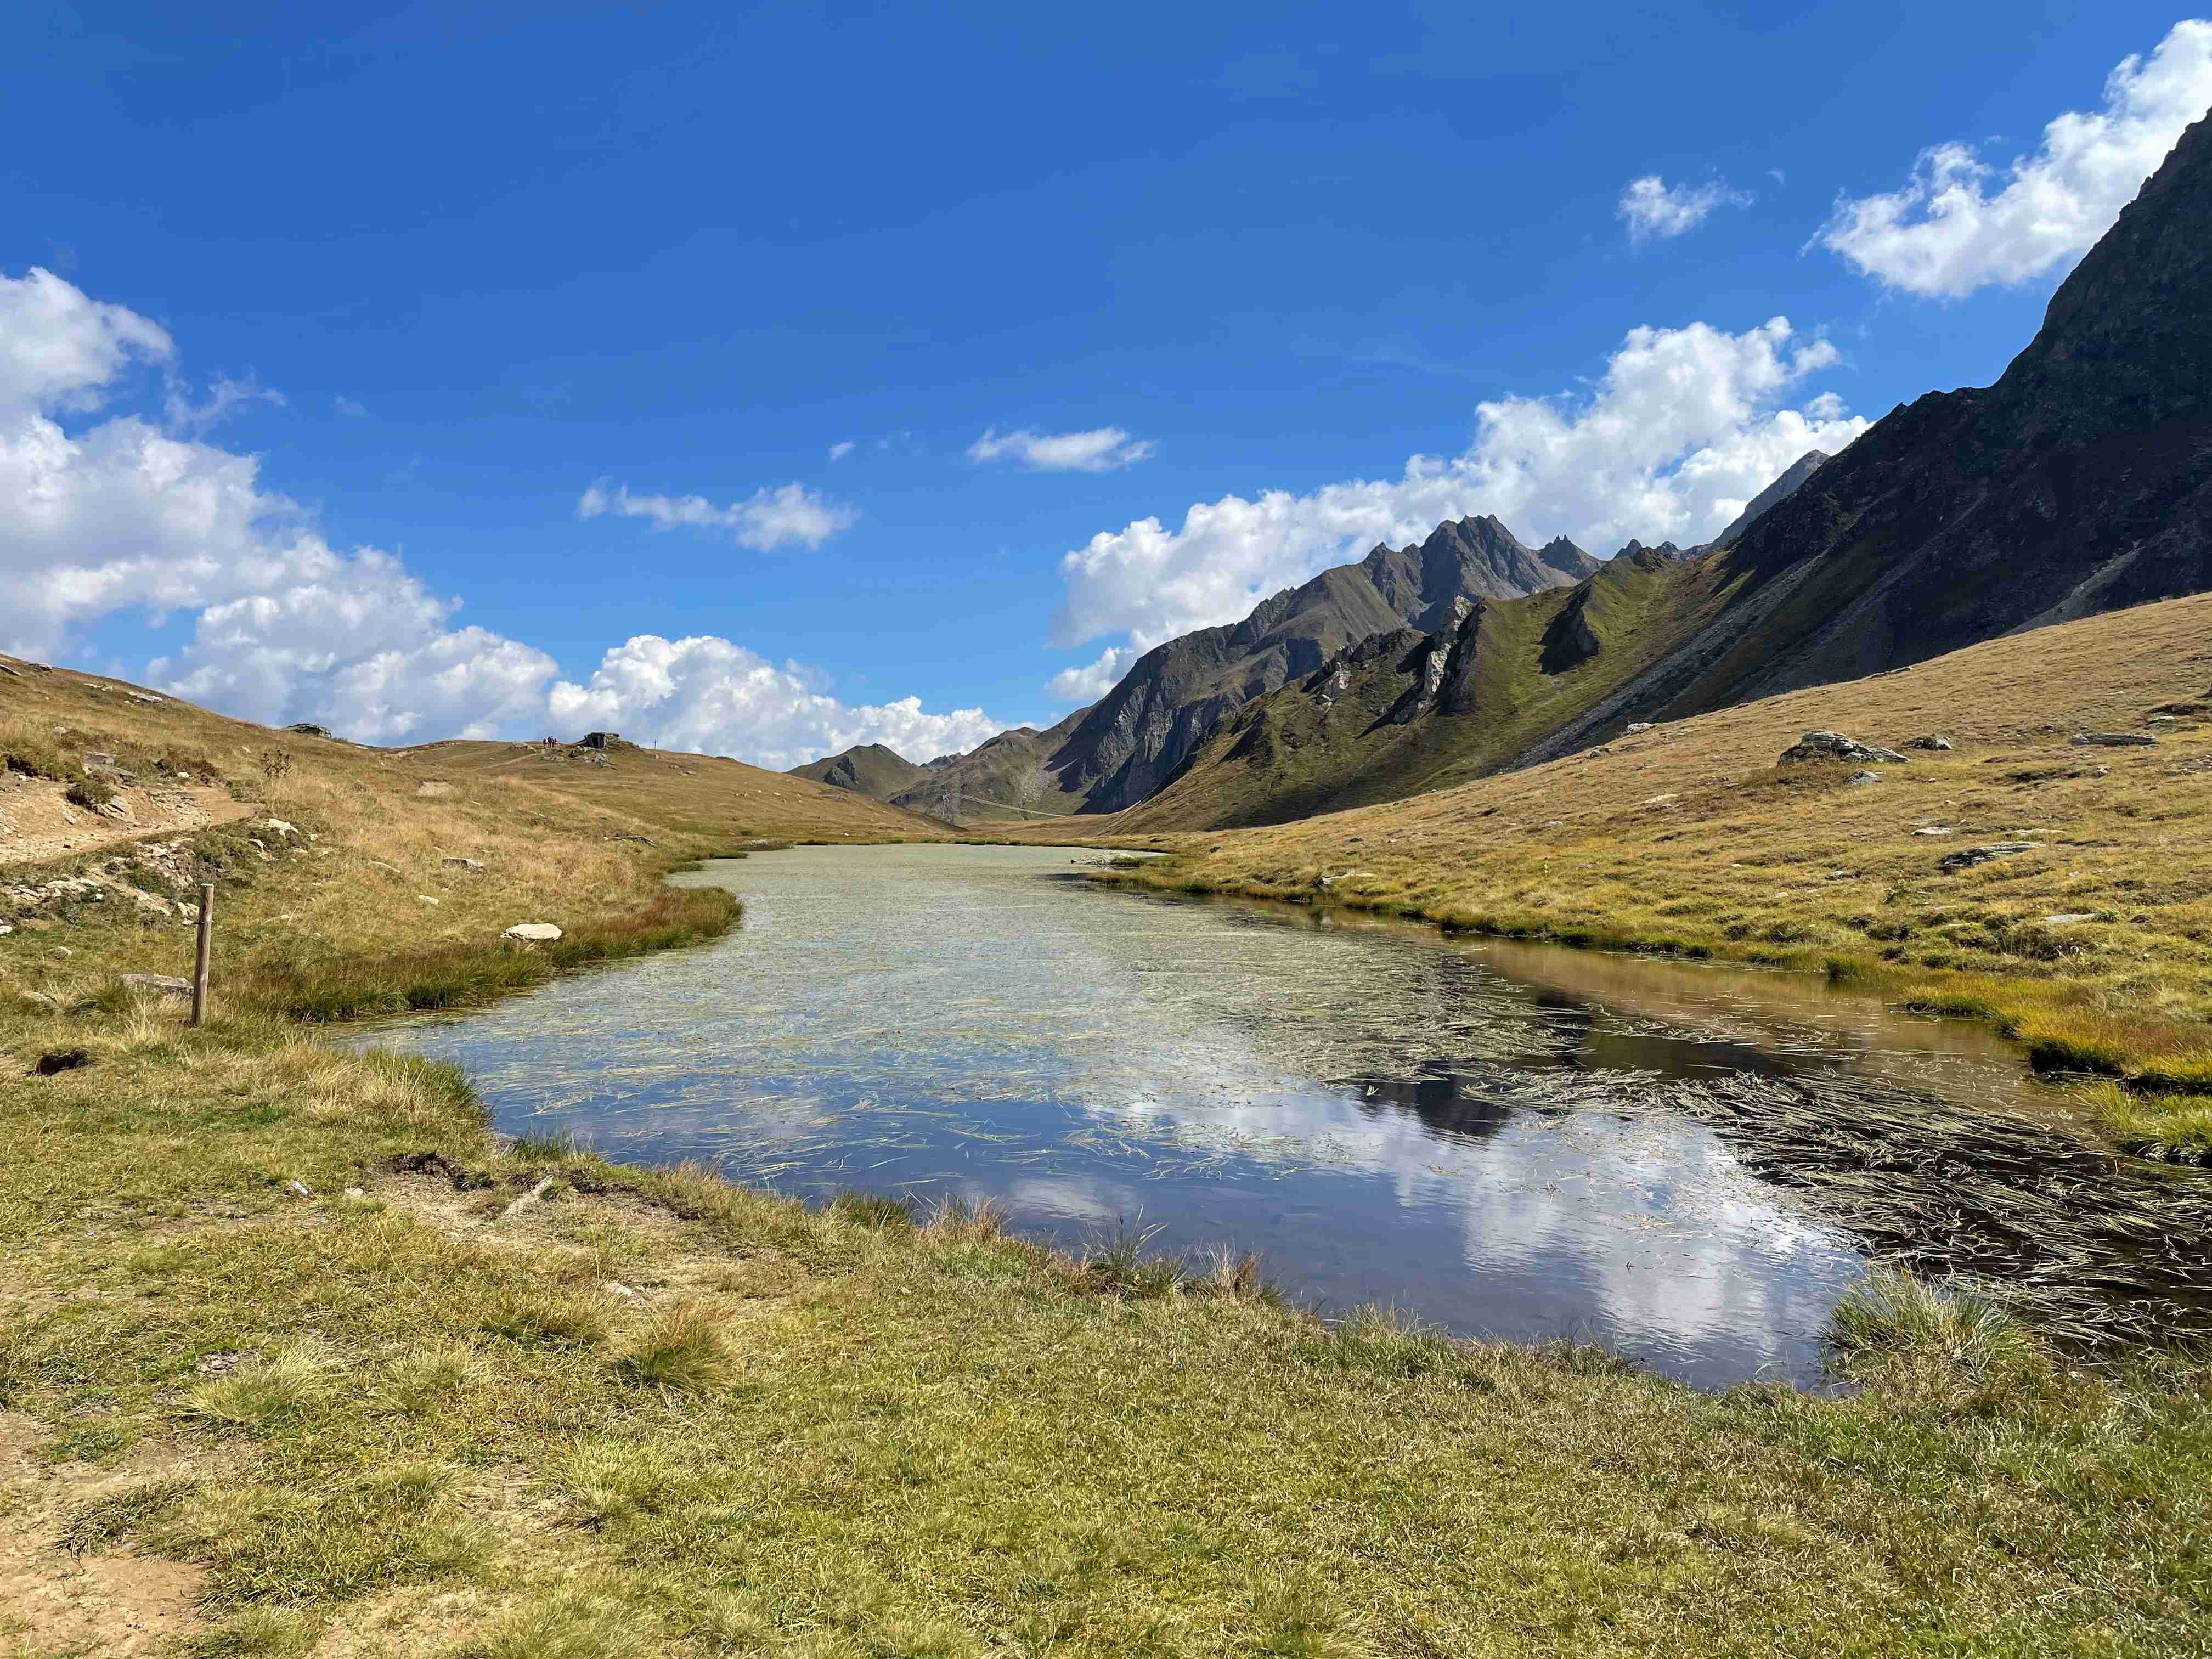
1505	1141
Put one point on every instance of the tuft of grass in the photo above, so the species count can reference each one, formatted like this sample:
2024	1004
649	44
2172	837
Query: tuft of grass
1120	1265
541	1319
264	1395
679	1349
2176	1129
573	1624
92	792
121	1515
959	1219
874	1211
1949	1341
1236	1275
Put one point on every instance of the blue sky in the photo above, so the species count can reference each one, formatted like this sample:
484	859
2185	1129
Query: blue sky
469	272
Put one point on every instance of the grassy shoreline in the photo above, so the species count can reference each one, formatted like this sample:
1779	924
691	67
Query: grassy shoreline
2152	1090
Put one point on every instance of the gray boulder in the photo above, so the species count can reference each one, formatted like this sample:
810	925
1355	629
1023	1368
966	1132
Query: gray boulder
533	933
2112	740
466	864
1930	742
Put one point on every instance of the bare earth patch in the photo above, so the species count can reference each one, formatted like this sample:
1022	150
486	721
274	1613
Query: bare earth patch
37	824
100	1601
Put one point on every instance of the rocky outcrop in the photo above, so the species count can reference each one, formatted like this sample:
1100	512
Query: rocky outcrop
1967	857
1834	747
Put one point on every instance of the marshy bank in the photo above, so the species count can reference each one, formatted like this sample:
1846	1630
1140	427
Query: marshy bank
1689	1168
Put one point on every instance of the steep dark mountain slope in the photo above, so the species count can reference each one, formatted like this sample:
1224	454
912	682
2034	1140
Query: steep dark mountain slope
1123	747
1773	495
867	769
2081	482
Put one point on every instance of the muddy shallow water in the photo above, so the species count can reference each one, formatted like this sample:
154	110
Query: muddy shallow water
1689	1165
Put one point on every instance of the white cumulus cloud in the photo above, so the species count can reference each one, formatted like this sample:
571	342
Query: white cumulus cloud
1686	426
1088	681
838	451
1654	209
764	520
125	516
1959	223
61	349
1105	449
707	695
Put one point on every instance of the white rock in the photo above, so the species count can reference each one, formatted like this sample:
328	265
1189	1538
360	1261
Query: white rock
157	985
534	932
355	1194
426	899
282	827
2064	917
466	864
298	1189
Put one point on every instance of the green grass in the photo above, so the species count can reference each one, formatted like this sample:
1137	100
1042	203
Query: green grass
340	985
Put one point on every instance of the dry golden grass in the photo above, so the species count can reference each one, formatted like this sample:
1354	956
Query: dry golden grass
392	873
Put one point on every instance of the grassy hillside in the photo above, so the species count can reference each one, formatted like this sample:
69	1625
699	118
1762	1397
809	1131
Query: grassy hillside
867	769
295	1361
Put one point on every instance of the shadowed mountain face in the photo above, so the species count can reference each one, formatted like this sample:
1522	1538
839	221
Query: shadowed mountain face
1132	741
2081	482
1773	495
867	769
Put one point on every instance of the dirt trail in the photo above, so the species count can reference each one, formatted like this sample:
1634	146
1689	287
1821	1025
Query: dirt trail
108	1600
37	824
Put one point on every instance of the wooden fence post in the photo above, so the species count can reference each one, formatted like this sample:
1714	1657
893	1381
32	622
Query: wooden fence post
200	962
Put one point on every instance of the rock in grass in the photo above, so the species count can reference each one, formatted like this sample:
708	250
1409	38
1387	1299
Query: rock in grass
1931	742
2112	740
2066	918
1835	746
466	864
534	932
1967	857
157	985
1866	777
